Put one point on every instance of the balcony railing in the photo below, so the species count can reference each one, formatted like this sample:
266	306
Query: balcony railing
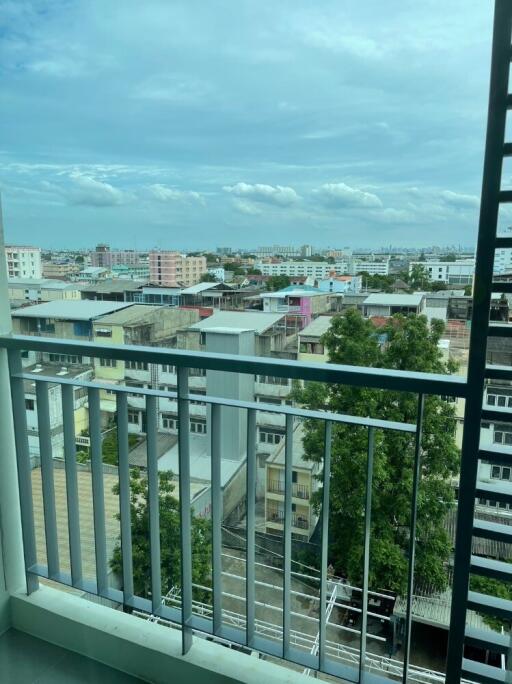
321	656
299	491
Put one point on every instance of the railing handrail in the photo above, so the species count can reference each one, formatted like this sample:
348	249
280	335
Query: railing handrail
357	376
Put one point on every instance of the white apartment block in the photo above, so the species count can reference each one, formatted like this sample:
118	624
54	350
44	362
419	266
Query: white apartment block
293	269
322	269
503	261
23	262
451	272
370	266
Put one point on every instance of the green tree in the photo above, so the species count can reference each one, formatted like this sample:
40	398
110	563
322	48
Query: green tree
493	587
419	278
79	259
449	257
108	448
411	345
170	550
277	282
208	278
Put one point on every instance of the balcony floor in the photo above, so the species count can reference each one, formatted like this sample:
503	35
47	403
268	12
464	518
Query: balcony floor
27	660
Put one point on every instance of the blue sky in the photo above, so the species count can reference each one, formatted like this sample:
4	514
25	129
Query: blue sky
194	124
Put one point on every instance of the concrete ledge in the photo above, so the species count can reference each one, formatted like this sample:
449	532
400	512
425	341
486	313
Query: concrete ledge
139	648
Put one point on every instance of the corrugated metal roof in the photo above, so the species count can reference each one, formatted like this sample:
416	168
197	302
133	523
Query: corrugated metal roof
317	327
199	287
115	286
382	299
132	314
73	310
239	320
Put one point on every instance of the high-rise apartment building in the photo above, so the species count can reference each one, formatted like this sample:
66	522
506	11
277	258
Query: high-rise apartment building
23	261
173	268
106	257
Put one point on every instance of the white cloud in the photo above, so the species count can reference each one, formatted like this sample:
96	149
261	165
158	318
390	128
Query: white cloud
246	207
279	195
165	194
88	190
459	201
340	195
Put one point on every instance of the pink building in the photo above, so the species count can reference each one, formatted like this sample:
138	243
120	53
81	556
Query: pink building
173	268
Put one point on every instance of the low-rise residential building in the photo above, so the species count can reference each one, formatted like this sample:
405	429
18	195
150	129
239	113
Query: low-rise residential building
340	283
304	484
23	261
380	304
173	268
76	373
114	290
66	319
163	296
310	346
60	269
137	324
302	302
131	272
93	273
42	290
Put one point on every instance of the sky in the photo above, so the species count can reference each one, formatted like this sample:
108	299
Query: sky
194	124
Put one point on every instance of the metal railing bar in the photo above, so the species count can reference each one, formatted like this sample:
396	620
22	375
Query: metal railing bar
251	525
124	495
287	541
235	403
185	510
326	481
378	378
24	469
216	500
68	421
48	485
98	495
154	503
366	551
412	536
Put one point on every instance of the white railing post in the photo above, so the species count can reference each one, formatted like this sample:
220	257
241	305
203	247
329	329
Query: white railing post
11	544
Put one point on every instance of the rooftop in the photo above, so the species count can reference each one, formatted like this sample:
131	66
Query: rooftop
200	287
80	310
200	462
278	457
295	291
317	327
381	299
239	320
130	315
115	286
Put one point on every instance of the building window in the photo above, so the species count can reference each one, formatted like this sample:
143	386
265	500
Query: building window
270	436
137	365
103	332
30	404
502	437
133	417
198	427
197	372
108	363
169	421
500	400
64	358
168	369
500	472
271	380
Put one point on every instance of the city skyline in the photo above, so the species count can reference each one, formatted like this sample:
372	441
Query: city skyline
235	122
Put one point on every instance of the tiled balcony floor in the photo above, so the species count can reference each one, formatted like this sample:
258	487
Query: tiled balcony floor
27	660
